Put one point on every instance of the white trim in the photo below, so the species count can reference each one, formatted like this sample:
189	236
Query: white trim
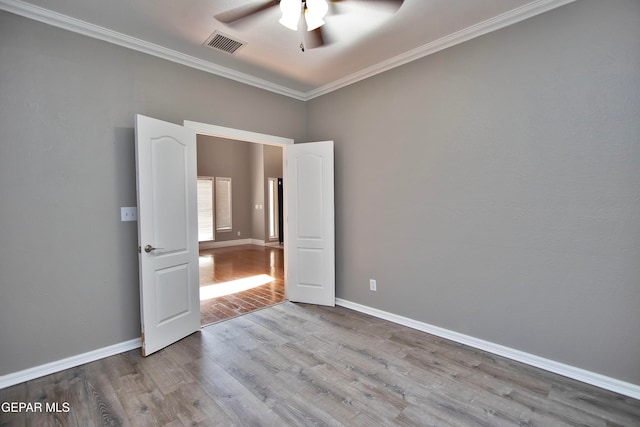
81	27
272	210
497	22
237	134
259	138
598	380
59	20
69	362
228	243
274	244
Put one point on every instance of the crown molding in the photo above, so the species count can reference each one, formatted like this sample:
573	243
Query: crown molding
37	13
509	18
65	22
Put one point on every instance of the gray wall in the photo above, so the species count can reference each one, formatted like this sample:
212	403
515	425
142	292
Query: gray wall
493	188
68	266
249	165
220	157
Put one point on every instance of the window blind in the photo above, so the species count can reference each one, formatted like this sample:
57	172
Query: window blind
205	209
223	204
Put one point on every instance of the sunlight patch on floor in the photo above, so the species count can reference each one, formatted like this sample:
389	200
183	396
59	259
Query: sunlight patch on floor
234	286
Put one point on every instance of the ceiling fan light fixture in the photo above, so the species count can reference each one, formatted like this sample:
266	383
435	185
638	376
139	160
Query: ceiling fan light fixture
290	13
315	12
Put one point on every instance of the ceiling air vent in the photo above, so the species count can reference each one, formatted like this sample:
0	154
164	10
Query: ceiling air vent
223	42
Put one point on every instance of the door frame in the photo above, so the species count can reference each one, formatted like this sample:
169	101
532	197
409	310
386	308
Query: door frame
257	138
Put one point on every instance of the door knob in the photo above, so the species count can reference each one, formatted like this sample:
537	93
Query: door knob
150	248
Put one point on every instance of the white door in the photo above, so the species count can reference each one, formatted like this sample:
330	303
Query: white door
310	237
167	232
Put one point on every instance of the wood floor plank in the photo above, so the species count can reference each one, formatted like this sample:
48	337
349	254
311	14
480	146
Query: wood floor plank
195	406
619	409
238	403
109	406
300	365
288	326
298	411
222	265
166	375
9	395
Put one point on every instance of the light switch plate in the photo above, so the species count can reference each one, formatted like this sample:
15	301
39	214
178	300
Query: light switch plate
129	214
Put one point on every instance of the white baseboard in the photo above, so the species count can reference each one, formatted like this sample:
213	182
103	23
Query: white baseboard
70	362
227	243
598	380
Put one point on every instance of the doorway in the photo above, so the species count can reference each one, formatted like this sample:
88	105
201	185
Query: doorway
172	312
241	259
309	226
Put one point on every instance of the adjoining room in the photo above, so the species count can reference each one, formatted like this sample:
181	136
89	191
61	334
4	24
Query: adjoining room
240	227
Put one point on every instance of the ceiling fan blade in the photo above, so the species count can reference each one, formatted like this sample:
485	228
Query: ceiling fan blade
320	37
314	38
245	10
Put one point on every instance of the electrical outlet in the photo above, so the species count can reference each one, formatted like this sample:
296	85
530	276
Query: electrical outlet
239	233
372	285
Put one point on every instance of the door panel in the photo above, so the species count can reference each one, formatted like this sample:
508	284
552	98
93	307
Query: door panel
167	232
310	240
170	193
172	294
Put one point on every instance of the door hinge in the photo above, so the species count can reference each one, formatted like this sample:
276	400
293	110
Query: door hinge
139	249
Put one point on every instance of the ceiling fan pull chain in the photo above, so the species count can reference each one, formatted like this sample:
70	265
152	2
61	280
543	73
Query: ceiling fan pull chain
302	46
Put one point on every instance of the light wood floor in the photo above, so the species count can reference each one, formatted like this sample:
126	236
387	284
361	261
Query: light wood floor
302	365
222	265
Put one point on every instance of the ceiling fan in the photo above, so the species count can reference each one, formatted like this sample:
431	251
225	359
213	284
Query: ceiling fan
300	14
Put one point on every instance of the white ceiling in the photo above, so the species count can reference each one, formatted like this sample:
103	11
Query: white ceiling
364	37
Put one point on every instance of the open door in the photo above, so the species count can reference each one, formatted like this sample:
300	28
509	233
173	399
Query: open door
309	250
166	172
310	237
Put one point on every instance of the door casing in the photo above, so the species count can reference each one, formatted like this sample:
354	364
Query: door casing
254	137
